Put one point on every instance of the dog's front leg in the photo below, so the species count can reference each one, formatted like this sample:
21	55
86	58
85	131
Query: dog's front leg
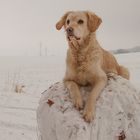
74	93
89	110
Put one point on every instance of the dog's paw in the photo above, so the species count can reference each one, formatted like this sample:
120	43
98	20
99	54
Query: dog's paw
88	115
78	103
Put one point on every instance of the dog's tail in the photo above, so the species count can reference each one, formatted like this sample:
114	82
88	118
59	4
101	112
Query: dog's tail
122	71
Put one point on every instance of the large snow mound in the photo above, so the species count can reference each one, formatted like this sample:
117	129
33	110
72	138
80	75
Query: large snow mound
117	114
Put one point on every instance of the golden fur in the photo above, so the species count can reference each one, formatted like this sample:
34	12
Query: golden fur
87	63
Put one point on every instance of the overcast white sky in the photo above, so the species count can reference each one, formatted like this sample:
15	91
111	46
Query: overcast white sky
26	23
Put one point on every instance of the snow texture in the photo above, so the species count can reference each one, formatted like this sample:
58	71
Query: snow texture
117	114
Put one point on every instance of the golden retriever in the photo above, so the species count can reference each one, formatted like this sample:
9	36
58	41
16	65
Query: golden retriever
87	63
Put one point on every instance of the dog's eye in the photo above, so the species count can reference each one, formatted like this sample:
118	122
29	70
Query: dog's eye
80	21
68	22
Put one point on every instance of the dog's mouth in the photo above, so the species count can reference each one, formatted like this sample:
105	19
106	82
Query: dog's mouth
69	37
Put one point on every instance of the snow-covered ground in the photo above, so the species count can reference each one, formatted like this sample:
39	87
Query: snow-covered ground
18	110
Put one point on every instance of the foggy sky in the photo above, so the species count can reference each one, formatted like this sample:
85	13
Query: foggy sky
24	24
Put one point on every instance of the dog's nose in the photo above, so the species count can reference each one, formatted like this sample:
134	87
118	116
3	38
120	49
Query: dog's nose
69	31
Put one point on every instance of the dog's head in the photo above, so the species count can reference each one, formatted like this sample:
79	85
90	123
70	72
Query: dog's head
79	24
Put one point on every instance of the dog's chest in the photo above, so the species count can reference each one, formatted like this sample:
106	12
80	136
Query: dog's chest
80	67
82	70
81	78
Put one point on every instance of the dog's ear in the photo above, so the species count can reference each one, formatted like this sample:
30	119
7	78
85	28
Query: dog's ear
93	21
61	22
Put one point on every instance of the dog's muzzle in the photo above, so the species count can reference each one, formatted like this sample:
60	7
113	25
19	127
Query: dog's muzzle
70	31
